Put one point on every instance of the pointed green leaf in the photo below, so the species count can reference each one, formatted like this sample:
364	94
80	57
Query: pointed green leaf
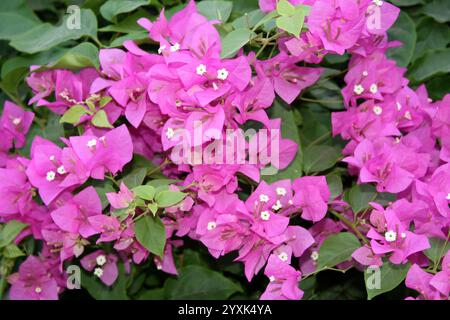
151	233
73	114
100	119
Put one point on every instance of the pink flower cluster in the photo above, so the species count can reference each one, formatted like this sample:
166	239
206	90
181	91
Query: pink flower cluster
393	132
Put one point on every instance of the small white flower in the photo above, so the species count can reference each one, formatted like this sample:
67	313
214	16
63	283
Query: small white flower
170	133
283	256
277	206
408	115
314	256
365	73
50	176
265	215
222	74
403	235
161	49
101	260
374	88
178	103
61	170
377	110
271	278
38	290
281	191
378	3
211	225
358	89
263	198
158	266
98	272
16	121
399	106
175	47
201	69
91	143
390	236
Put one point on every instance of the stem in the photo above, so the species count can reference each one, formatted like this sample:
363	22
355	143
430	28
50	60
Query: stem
320	101
111	178
349	224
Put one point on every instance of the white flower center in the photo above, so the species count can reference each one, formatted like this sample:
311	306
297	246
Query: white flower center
378	3
265	215
374	88
175	47
61	170
201	69
283	256
263	198
390	236
38	290
98	272
222	74
377	110
101	260
170	133
16	121
408	115
211	225
91	143
281	191
358	89
161	49
314	256
277	206
50	176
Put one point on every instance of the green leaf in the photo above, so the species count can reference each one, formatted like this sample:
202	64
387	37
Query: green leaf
215	9
151	294
136	36
199	283
289	130
153	207
431	64
15	19
128	24
406	3
328	94
104	101
73	114
437	250
45	36
317	158
100	119
10	232
235	40
248	20
99	291
81	56
359	197
135	177
103	187
403	30
12	251
284	8
144	192
112	8
169	198
439	10
390	277
151	233
337	248
161	182
334	182
431	35
293	24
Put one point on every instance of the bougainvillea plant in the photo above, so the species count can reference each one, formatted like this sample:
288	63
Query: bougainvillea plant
225	149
